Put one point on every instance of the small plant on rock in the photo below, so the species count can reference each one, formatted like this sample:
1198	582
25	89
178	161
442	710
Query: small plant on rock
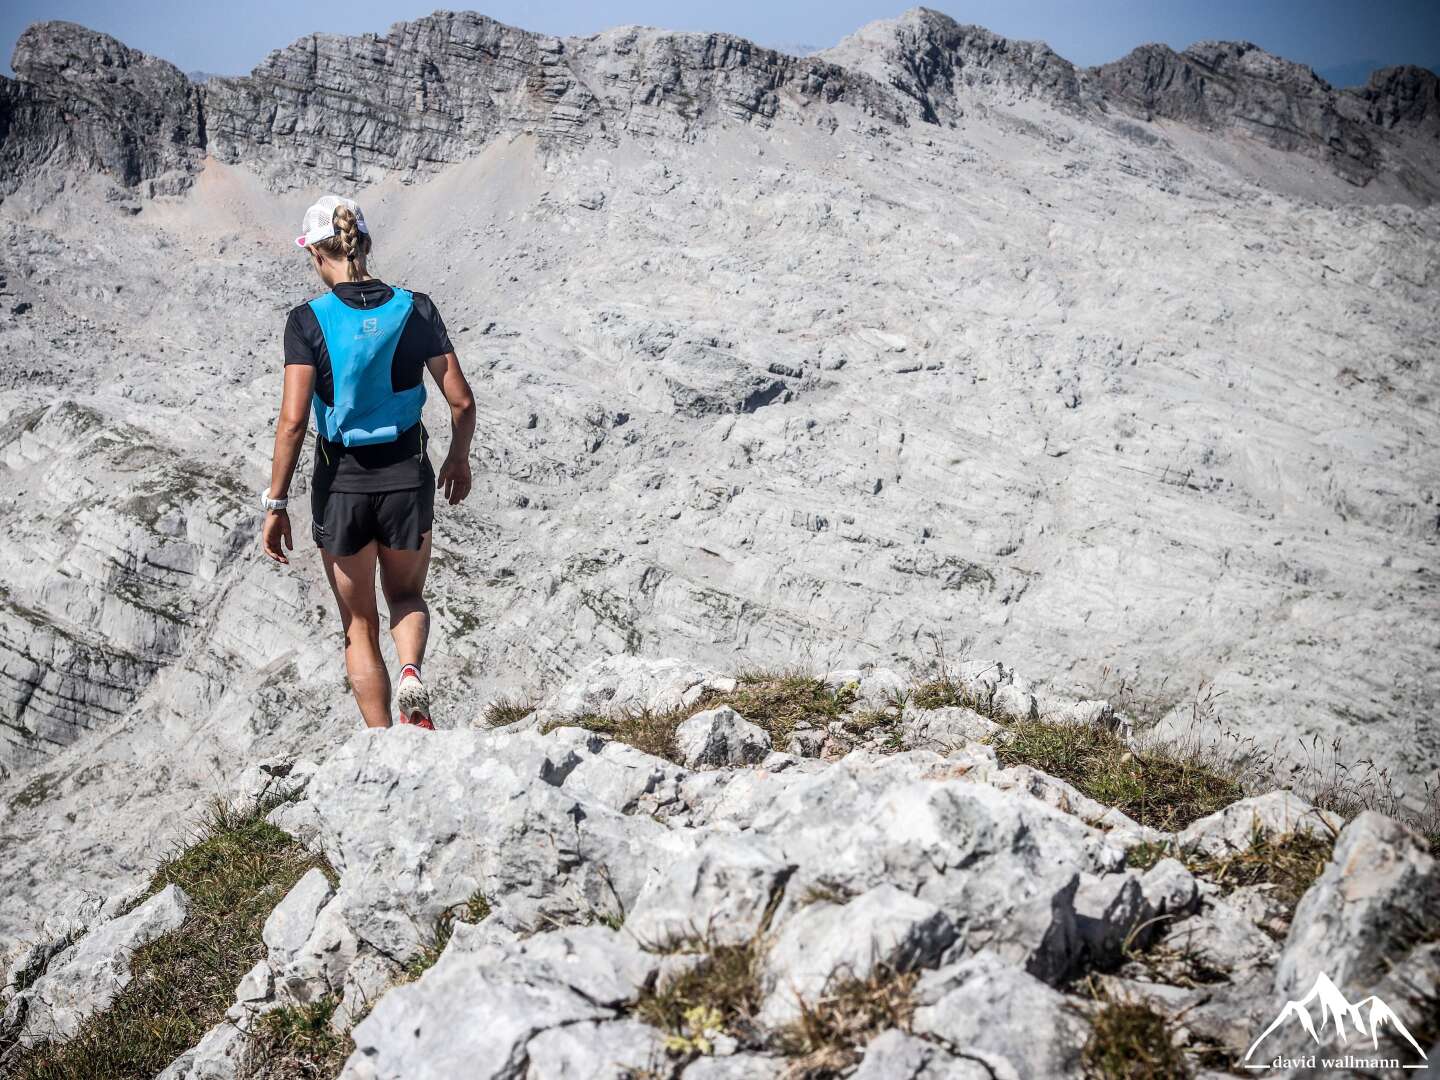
827	1040
720	991
506	710
297	1042
1289	864
472	910
1131	1041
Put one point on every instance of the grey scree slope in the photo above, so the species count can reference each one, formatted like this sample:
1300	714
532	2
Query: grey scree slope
928	345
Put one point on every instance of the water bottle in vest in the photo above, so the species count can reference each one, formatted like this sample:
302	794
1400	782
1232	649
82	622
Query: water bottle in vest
361	343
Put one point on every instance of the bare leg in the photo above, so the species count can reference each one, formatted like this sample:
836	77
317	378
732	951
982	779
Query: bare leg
402	577
352	579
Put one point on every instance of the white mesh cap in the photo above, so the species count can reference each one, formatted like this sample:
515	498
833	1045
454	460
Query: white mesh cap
320	219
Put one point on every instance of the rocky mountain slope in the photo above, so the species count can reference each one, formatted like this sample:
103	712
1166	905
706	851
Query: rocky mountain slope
927	346
544	902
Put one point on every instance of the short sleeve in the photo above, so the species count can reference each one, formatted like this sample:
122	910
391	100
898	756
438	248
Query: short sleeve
436	337
300	334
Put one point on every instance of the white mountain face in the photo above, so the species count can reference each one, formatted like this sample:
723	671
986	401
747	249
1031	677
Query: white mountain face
827	361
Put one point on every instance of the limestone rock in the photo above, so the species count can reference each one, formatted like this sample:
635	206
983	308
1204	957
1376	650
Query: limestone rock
1379	889
895	1055
1277	813
475	1012
721	737
987	1006
1111	911
823	944
219	1055
85	978
723	893
1169	888
945	729
591	1050
1221	939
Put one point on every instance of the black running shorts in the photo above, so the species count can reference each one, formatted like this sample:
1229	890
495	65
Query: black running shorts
343	522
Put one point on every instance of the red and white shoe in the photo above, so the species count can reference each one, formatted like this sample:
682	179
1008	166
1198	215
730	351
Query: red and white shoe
413	699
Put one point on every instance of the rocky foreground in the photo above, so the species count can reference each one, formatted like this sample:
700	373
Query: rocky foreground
890	894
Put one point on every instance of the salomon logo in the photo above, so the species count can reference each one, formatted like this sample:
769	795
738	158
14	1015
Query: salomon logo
370	326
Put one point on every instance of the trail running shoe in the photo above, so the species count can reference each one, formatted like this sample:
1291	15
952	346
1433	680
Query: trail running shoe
413	699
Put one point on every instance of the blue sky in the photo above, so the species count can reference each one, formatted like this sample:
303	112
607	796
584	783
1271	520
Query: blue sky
1342	39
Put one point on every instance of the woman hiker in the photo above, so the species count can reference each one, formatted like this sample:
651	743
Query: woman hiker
359	353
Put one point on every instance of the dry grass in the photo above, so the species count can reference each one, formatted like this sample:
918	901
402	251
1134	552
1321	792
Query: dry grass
235	869
1289	864
944	692
506	710
1131	1041
827	1041
297	1043
719	995
1160	786
779	702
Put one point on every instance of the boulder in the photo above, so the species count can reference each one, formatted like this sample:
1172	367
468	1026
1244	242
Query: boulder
615	684
985	1005
1110	912
1004	869
1221	939
1170	889
293	919
626	779
1379	893
722	894
595	1050
944	729
894	1055
476	1011
718	737
219	1055
1277	813
826	942
736	1067
85	978
482	815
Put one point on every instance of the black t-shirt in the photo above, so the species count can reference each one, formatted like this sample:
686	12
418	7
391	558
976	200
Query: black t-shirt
394	466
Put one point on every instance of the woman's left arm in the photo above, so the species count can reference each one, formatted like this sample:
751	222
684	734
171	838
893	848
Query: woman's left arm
289	440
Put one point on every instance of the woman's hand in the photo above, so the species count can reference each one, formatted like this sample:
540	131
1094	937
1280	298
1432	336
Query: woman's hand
454	478
275	530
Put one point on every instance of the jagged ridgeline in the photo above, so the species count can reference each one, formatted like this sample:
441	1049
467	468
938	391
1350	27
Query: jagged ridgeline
435	91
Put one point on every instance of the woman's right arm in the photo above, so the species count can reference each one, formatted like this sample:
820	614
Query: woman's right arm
454	475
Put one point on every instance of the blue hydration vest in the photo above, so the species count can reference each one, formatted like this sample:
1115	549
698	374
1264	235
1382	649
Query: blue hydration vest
361	343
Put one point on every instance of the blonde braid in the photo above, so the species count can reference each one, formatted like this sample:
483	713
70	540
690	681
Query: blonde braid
348	243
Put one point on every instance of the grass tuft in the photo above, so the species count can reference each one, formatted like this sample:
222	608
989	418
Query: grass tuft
1163	787
946	692
296	1042
721	993
473	910
235	869
1131	1041
827	1041
1289	864
506	710
779	702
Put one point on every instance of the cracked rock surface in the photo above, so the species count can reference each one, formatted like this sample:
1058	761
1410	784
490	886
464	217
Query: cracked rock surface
931	346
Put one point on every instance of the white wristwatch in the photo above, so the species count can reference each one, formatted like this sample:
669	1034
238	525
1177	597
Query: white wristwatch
267	503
